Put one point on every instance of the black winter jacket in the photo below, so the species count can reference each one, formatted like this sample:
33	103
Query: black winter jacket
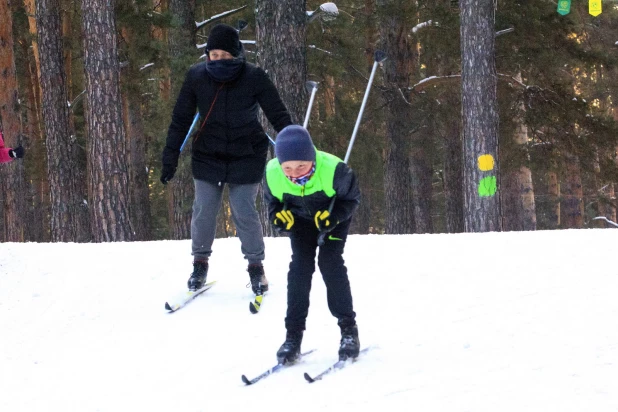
231	146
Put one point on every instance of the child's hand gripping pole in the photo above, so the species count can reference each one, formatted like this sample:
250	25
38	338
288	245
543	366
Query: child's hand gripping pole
323	233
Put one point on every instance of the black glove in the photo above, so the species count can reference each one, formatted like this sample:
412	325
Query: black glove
284	221
324	221
18	152
167	173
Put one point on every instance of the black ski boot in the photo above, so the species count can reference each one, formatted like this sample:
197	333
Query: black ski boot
198	277
259	283
290	350
349	346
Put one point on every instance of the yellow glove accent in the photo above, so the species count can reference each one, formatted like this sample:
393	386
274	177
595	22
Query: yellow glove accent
285	217
321	219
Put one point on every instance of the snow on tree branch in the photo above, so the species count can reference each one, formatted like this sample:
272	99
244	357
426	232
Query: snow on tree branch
203	45
423	25
505	31
434	80
327	11
218	17
313	46
606	219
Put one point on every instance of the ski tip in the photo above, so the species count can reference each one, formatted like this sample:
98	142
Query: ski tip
168	307
309	378
246	380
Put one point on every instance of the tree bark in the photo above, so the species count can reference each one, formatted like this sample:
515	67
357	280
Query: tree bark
37	209
518	205
107	166
399	167
480	116
553	195
453	173
11	177
137	141
182	52
281	51
573	195
69	215
138	173
36	198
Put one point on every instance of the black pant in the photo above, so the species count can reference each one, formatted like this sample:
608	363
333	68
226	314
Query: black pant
304	238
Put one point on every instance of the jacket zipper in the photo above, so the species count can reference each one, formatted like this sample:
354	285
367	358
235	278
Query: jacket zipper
302	196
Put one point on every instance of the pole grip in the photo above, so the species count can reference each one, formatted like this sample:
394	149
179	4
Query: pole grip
322	235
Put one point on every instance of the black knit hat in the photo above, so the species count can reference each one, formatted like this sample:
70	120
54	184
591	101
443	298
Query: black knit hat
224	37
294	143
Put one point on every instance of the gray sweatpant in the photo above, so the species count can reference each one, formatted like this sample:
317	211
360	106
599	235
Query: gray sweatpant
206	206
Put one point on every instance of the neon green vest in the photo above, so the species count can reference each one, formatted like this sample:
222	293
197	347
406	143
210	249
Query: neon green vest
322	179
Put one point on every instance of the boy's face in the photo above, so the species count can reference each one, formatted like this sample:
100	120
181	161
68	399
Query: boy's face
296	168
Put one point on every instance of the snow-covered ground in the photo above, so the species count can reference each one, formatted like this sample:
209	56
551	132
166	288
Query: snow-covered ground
471	322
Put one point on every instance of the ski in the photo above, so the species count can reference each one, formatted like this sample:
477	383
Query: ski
254	307
340	364
187	297
272	370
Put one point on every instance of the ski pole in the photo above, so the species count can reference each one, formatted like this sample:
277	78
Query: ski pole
312	87
378	57
197	116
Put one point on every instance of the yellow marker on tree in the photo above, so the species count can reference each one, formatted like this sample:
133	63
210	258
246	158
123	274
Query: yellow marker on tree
486	162
595	7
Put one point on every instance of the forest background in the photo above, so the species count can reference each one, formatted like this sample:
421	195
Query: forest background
88	88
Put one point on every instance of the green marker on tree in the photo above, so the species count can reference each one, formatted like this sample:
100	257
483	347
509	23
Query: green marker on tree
488	186
564	7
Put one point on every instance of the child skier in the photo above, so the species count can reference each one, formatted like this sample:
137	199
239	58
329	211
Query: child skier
301	182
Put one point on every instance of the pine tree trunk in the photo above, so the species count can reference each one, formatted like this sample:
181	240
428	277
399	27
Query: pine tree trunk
453	173
134	123
69	216
371	32
573	195
553	195
30	8
107	165
421	172
181	47
399	68
518	206
160	34
138	174
480	116
609	208
281	52
12	186
329	97
37	200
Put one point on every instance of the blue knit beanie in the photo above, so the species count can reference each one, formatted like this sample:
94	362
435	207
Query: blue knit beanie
294	143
